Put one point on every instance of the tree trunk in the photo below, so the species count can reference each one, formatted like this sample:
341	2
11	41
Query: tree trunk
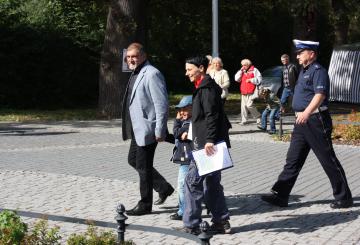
125	24
341	22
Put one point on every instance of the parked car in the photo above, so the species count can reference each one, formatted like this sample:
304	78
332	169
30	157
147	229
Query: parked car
272	79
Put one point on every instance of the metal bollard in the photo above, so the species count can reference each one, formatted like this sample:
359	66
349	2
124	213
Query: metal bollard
120	219
280	125
204	236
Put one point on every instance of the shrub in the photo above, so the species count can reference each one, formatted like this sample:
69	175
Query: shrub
12	229
14	232
345	132
93	237
43	235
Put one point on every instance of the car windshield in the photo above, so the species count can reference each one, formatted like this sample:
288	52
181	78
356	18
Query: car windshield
272	72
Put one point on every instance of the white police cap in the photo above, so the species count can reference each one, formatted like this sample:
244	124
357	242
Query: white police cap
302	45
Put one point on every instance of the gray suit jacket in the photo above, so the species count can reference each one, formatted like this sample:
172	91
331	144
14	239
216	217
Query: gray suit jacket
149	106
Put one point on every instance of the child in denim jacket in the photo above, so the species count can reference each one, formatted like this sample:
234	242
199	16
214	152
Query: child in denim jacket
182	149
272	108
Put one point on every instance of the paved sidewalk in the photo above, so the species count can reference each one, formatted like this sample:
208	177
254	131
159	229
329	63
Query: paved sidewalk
73	172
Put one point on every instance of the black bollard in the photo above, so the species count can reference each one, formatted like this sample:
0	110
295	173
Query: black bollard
120	219
204	236
280	125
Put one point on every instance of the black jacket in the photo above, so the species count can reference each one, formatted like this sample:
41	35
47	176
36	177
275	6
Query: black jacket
209	122
183	148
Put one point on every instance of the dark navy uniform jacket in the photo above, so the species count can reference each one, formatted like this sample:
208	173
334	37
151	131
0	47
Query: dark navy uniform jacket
312	79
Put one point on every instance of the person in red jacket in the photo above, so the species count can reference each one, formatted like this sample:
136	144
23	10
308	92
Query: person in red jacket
248	77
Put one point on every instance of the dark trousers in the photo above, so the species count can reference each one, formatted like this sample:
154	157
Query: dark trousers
141	158
314	135
203	188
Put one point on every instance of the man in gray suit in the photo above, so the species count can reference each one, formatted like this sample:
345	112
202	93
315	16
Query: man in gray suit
144	121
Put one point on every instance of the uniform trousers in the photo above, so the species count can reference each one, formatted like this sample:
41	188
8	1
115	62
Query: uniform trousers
203	188
247	106
314	135
141	158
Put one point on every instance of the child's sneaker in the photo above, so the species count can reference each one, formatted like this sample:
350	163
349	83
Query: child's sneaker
220	228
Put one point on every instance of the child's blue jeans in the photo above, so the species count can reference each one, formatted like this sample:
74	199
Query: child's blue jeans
272	115
183	170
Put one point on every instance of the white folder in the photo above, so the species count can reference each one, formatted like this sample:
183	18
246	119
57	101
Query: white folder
220	160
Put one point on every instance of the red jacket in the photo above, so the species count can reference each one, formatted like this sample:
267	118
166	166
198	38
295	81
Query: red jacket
245	87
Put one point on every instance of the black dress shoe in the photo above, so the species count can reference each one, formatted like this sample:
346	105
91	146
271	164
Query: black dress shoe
342	203
175	216
163	196
275	200
138	210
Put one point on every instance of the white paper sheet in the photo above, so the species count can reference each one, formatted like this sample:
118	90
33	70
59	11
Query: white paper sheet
189	136
218	161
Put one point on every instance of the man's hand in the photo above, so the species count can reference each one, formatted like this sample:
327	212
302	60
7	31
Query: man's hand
159	139
209	149
302	117
248	80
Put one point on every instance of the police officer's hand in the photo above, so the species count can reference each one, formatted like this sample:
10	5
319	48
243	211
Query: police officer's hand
209	149
302	117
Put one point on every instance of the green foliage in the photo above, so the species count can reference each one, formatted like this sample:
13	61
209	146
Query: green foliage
50	49
50	53
43	235
259	30
93	237
12	229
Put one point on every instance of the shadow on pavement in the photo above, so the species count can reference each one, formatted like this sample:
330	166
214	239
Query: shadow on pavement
252	204
36	133
251	131
300	224
30	131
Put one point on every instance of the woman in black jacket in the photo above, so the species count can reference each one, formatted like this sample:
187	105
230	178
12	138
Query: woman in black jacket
209	126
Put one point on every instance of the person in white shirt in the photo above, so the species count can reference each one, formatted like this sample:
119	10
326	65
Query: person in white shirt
220	76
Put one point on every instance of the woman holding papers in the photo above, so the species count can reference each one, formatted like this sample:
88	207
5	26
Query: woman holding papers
209	126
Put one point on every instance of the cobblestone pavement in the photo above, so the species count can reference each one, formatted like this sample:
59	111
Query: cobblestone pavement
76	172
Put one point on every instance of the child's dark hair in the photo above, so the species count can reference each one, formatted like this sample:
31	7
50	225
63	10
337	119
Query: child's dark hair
264	92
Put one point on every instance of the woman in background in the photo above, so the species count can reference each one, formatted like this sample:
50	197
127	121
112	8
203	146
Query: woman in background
220	76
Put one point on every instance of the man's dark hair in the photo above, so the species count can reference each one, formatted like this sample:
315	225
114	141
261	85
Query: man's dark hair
198	61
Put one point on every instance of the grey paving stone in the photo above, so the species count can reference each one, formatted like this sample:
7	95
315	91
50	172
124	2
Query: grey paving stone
78	171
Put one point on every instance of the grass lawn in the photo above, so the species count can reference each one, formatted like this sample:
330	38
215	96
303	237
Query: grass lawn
46	115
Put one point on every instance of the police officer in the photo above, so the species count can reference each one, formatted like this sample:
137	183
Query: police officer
312	130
